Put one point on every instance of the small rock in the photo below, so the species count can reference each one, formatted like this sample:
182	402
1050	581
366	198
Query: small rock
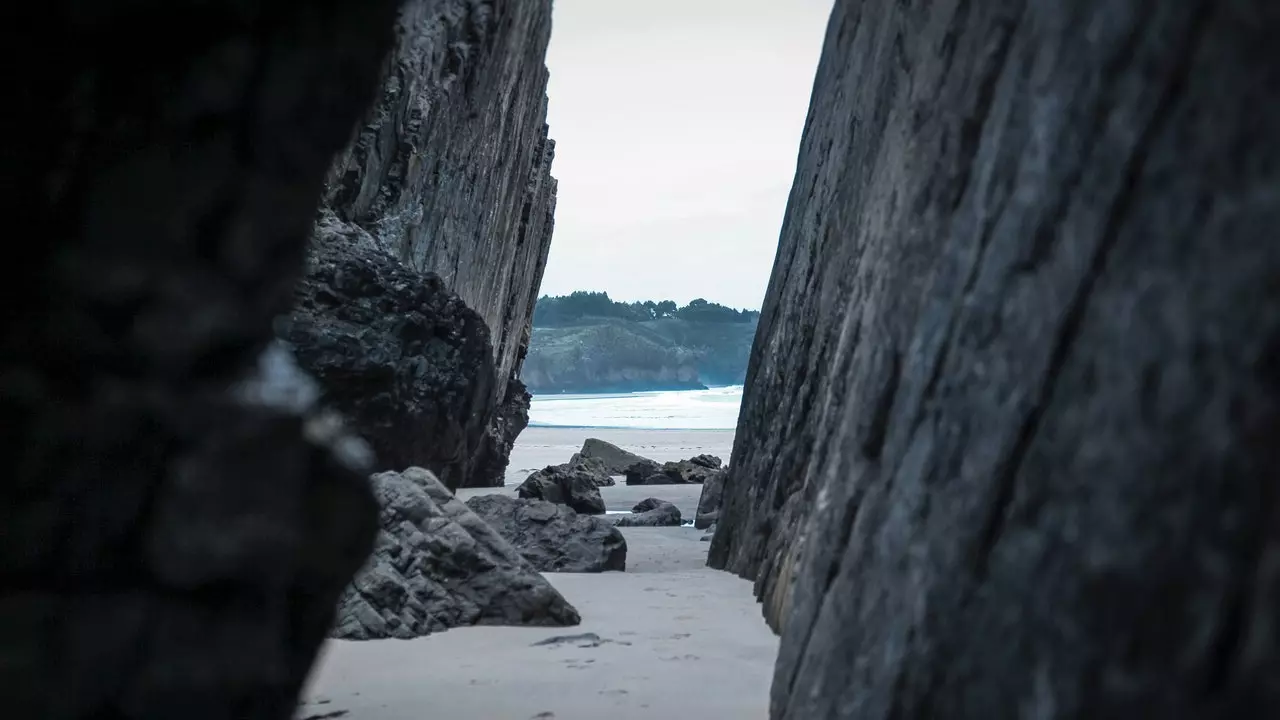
651	512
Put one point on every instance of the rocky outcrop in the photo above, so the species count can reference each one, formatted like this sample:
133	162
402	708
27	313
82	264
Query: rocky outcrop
565	485
1007	444
436	565
615	459
552	537
449	175
179	515
408	362
650	512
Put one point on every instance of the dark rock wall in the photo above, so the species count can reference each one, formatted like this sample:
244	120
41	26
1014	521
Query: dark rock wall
1008	441
450	174
408	362
178	516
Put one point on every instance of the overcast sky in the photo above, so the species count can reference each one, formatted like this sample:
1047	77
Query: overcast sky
677	124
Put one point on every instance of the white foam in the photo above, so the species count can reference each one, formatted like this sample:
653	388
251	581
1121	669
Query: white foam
713	409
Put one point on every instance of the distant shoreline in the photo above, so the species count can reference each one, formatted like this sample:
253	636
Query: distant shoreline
630	428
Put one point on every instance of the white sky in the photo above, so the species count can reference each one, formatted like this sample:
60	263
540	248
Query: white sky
677	124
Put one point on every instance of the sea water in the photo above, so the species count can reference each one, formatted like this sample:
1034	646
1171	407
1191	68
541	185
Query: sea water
714	409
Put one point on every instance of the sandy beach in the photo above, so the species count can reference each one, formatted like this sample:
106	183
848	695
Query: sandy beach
668	637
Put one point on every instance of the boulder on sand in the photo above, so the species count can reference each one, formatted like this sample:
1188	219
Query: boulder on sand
651	512
681	472
565	485
552	537
709	501
437	565
707	461
615	459
599	471
640	471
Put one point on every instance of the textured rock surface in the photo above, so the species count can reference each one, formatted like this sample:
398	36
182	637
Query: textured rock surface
570	485
710	500
450	174
1007	446
615	459
552	537
680	472
597	467
407	361
436	565
650	512
638	472
179	518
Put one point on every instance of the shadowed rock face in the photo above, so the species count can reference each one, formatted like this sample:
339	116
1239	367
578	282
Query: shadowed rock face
449	174
1008	439
409	362
179	515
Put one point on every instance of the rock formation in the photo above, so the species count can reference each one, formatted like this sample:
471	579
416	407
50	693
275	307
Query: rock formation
564	485
406	359
552	537
1008	439
436	565
180	516
650	512
449	176
615	459
680	472
710	500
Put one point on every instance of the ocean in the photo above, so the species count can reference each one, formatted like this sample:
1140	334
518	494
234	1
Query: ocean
714	409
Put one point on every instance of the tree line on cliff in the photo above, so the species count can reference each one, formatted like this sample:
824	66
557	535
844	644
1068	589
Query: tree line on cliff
577	306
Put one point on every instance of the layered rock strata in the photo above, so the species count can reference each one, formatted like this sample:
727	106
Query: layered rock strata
1008	438
449	175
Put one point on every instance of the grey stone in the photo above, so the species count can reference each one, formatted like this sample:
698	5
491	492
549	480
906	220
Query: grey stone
437	566
650	512
710	500
1008	438
567	485
640	471
615	459
597	467
554	538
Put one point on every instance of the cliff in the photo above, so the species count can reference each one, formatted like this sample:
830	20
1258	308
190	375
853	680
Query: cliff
616	355
1008	439
449	176
179	515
